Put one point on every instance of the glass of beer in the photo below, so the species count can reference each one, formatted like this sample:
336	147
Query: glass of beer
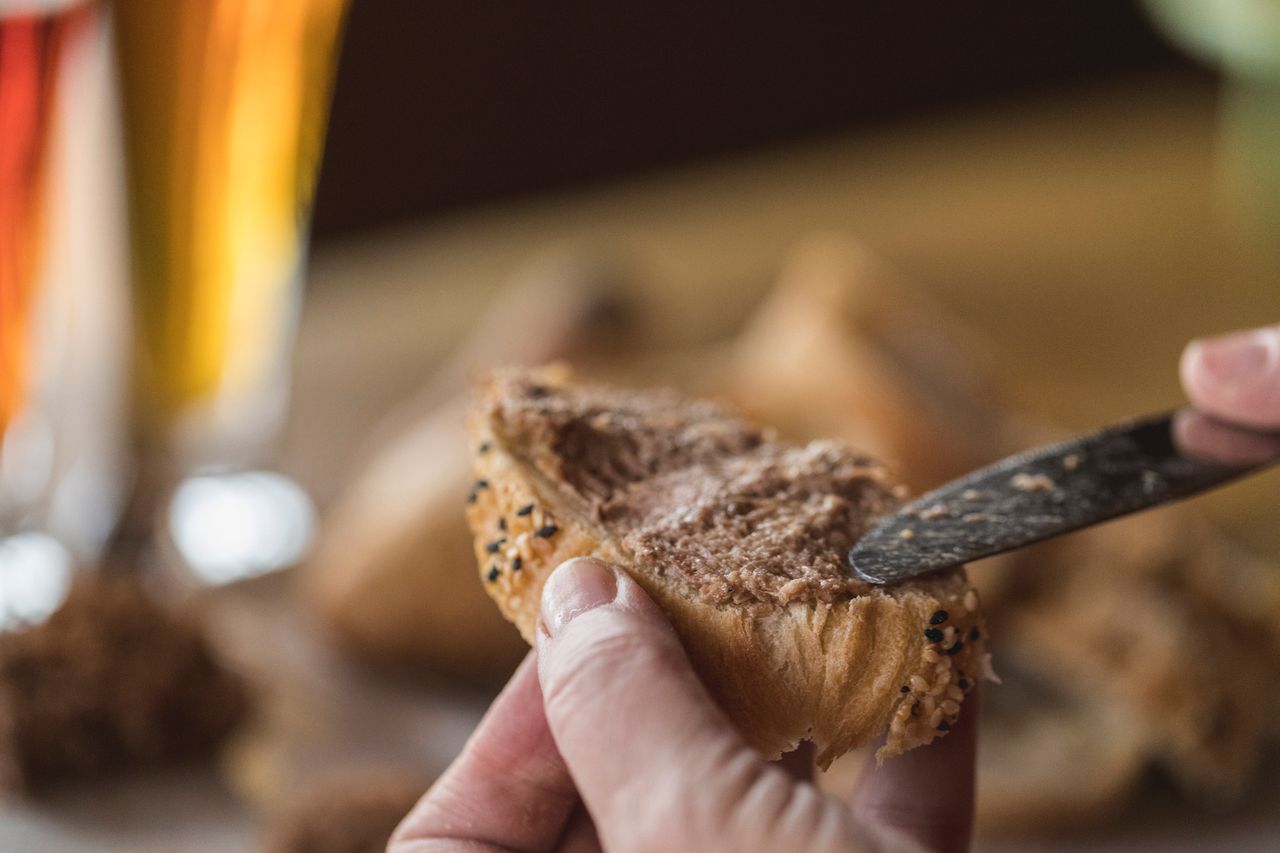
225	104
62	311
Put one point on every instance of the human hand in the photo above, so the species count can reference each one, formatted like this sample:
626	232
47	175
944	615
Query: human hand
605	739
1233	378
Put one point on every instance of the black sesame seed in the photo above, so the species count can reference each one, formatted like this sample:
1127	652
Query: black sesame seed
493	546
974	634
915	709
493	574
538	391
938	617
482	484
502	524
471	497
956	648
933	635
517	564
484	446
525	510
546	531
905	689
963	683
944	726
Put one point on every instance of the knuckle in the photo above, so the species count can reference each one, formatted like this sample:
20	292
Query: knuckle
769	807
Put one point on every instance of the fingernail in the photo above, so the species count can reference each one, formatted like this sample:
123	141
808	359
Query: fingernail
574	588
1238	358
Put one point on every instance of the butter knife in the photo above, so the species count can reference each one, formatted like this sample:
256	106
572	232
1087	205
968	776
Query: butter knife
1059	488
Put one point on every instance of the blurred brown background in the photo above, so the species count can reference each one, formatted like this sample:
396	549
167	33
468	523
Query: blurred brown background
445	104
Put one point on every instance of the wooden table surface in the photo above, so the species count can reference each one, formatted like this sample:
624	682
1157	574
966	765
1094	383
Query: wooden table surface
1081	232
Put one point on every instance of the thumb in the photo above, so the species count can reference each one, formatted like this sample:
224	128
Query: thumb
1236	377
658	765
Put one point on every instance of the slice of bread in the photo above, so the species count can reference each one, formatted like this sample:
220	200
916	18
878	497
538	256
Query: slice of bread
741	539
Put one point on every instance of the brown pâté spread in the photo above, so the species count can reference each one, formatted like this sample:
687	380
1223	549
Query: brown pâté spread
693	492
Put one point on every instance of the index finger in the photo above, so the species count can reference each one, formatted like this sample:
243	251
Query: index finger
926	794
508	789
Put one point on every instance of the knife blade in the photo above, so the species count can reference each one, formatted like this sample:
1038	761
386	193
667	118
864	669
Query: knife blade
1059	488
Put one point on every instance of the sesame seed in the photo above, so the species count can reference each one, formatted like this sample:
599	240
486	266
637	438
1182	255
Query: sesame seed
949	707
904	689
915	709
517	564
956	648
933	635
482	484
935	719
471	497
930	656
919	683
971	601
493	546
944	726
938	617
963	683
493	574
484	447
502	524
525	510
974	634
546	531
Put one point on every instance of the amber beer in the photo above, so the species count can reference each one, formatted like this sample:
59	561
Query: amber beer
225	104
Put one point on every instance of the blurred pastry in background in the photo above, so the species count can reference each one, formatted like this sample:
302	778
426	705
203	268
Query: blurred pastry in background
1049	758
110	682
844	347
390	576
1144	642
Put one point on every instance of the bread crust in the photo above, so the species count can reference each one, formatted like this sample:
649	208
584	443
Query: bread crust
836	674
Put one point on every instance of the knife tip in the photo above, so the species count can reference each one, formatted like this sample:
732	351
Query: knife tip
863	569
